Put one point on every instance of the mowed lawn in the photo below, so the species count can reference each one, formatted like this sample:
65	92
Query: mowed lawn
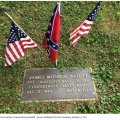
100	51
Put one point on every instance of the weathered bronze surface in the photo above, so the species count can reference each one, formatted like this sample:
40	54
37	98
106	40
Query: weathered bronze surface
54	85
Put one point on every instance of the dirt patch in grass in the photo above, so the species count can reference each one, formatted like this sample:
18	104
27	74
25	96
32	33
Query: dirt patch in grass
111	26
118	74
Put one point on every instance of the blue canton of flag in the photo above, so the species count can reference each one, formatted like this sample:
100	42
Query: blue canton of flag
15	34
93	14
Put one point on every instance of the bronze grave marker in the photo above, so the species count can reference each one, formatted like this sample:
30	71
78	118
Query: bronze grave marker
54	85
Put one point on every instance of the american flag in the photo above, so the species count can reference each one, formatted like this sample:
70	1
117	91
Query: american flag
18	43
50	42
84	28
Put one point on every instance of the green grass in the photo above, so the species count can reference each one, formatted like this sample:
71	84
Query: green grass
100	50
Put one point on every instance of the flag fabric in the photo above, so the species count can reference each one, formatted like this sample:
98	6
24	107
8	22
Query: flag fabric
18	43
50	42
84	28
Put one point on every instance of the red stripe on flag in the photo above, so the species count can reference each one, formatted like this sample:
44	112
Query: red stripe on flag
17	49
74	43
83	34
22	47
29	40
86	24
74	37
83	30
12	52
80	27
32	44
9	58
77	35
80	30
77	27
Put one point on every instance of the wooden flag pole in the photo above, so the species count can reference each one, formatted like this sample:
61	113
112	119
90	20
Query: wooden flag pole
15	22
56	62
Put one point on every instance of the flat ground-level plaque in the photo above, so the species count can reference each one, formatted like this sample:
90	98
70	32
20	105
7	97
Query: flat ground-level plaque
54	85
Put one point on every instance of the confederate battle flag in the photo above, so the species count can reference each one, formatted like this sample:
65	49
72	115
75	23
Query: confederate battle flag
50	42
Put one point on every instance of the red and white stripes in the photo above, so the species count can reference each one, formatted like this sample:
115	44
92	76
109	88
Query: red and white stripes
82	30
16	50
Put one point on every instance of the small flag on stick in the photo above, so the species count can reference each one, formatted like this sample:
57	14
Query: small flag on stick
50	42
18	43
84	28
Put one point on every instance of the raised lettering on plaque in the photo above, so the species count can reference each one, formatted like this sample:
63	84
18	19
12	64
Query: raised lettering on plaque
54	85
